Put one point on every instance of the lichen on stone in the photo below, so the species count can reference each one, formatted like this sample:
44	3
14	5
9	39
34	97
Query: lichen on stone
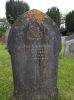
38	15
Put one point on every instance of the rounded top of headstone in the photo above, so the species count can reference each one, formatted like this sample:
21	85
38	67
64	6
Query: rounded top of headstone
38	15
34	15
36	27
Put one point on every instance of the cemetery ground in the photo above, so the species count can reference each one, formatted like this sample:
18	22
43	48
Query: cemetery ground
65	76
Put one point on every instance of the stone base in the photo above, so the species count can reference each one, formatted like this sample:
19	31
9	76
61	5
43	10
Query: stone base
52	96
46	98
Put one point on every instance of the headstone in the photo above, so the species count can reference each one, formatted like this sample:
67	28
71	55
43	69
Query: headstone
70	37
34	44
69	48
63	39
5	37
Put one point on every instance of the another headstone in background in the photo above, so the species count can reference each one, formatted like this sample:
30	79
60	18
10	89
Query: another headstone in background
69	48
70	37
63	39
34	44
5	37
69	45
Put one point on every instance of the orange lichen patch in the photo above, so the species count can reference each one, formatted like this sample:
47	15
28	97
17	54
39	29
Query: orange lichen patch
38	15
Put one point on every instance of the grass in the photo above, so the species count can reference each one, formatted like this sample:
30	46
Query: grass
65	76
6	83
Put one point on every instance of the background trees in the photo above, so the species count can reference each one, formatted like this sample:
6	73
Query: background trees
4	25
70	21
54	14
63	30
14	9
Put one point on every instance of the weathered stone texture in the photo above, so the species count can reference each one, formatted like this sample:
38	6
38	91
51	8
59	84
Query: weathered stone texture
69	48
34	44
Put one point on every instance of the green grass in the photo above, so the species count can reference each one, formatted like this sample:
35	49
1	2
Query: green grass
6	83
65	76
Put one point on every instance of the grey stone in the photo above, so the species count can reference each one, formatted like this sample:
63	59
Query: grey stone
70	37
5	37
69	48
34	44
63	39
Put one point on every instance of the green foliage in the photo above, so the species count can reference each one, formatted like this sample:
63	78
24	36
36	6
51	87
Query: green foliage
6	82
54	14
2	31
4	25
70	21
14	9
63	31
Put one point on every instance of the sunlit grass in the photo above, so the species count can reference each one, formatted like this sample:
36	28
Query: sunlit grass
6	83
66	76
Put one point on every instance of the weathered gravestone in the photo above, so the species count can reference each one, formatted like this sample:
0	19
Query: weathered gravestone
34	44
69	48
69	45
68	38
63	40
5	37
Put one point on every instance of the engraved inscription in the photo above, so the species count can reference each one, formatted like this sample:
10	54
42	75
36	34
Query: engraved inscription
35	51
